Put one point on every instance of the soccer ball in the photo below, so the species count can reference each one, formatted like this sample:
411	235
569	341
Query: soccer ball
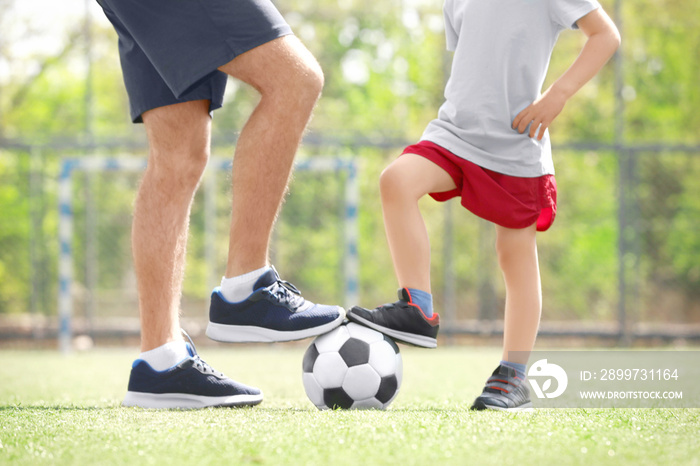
352	367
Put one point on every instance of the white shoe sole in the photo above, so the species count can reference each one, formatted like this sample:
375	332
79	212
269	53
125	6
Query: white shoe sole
187	401
249	334
403	337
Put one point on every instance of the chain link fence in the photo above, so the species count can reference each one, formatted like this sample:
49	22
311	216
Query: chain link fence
622	260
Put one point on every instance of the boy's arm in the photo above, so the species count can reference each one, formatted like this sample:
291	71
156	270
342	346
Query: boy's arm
603	40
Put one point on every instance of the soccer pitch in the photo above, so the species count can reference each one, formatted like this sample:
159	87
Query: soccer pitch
66	410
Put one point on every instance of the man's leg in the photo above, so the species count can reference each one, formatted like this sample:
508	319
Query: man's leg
289	80
178	136
253	304
169	373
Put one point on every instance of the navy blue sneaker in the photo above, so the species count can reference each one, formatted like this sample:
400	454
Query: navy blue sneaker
188	385
275	311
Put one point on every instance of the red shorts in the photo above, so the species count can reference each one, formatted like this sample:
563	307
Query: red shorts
509	201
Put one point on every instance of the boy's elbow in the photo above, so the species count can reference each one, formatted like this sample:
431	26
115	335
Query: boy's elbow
615	39
610	41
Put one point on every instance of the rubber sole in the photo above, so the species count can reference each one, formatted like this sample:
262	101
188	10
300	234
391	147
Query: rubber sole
480	406
403	337
250	334
187	401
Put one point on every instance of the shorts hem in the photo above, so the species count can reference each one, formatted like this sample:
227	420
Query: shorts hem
231	54
207	73
137	116
543	214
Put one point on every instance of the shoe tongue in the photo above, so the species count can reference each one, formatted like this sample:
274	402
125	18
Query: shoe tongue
505	370
266	279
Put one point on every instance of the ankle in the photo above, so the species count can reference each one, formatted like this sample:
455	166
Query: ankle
238	288
422	299
166	356
518	367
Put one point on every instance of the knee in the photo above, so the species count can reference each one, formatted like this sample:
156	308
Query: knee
513	245
295	81
303	81
179	170
503	251
312	79
395	185
283	71
194	165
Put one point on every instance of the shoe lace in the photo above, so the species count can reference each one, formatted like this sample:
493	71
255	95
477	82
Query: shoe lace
286	293
200	363
205	368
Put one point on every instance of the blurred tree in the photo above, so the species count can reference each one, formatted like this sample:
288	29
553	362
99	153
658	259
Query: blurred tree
385	66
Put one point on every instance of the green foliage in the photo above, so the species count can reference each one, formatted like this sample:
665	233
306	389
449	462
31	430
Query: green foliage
662	39
578	255
385	66
14	233
667	225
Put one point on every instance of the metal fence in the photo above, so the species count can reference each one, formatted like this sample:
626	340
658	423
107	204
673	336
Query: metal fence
622	260
109	167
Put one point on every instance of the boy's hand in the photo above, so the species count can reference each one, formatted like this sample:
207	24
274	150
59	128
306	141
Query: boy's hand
540	113
603	40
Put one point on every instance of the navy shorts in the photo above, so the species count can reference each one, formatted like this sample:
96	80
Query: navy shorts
170	49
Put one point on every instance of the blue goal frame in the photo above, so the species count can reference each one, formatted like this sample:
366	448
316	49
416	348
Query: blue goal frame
137	164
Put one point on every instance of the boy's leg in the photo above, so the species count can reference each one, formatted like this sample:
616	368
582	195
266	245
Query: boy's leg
402	184
258	306
517	257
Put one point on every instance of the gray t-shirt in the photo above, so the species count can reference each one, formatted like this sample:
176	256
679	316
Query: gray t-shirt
501	51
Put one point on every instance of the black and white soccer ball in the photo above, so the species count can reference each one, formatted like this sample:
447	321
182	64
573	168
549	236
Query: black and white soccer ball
352	367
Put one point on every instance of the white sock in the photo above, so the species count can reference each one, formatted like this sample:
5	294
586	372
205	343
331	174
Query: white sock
238	288
166	356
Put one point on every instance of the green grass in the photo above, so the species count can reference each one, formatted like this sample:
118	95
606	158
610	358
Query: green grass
65	410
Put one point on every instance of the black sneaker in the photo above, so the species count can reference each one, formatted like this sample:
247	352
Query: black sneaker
190	384
275	311
403	321
504	391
